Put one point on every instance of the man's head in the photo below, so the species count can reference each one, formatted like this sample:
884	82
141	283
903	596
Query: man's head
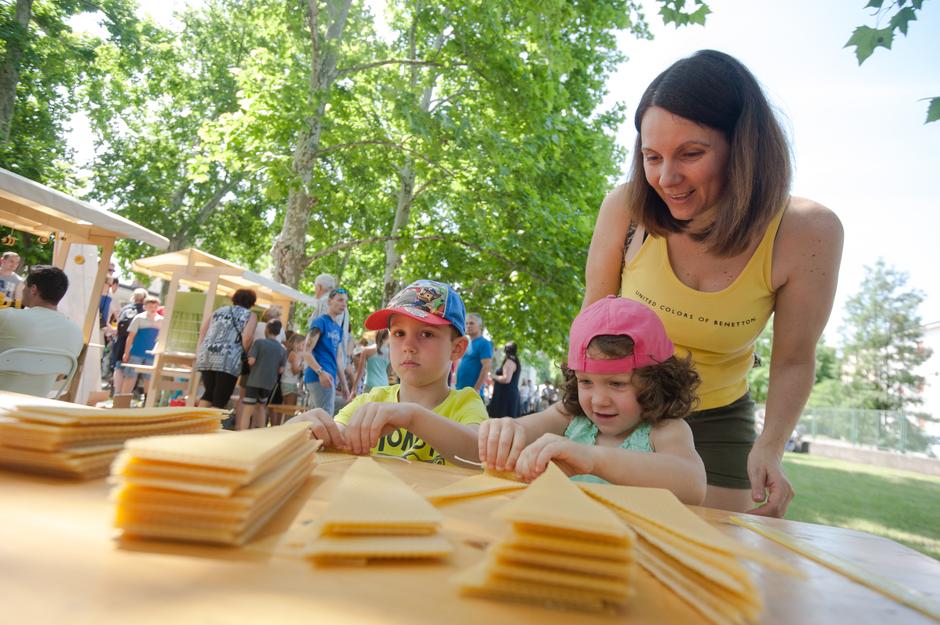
140	295
151	304
426	322
339	299
272	329
45	286
324	283
9	262
474	325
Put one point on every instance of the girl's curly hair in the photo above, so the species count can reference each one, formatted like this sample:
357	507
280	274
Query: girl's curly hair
664	391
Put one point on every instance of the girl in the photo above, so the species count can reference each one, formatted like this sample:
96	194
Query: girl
621	421
290	379
374	360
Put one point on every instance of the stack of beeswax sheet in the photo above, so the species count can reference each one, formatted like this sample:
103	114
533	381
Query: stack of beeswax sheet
563	550
63	439
474	486
215	488
686	554
375	516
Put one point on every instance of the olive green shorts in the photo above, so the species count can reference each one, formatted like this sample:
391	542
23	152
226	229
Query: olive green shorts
723	438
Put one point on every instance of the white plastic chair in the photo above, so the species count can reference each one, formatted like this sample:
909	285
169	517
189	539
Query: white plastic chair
40	361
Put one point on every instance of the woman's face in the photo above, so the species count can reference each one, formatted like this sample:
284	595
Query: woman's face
685	163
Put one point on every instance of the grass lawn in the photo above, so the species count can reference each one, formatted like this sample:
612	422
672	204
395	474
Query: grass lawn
899	505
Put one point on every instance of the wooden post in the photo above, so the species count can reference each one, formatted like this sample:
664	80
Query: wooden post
107	246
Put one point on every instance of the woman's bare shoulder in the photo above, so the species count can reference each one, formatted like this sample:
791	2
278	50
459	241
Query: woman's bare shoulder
808	218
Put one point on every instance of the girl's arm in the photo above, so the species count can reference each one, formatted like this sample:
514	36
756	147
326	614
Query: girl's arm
509	367
500	441
296	363
361	365
675	465
602	271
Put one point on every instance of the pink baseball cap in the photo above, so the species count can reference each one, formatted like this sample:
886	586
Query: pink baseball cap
618	316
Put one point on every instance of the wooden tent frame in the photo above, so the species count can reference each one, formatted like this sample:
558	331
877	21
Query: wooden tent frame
31	207
213	275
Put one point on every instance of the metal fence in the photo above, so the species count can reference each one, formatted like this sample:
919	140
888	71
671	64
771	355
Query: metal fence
886	430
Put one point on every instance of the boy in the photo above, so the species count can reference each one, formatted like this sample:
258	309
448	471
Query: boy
421	418
141	338
267	359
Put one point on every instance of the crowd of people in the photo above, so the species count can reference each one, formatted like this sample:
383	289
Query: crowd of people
689	259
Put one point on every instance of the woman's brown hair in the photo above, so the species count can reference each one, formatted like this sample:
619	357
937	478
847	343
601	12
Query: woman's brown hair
664	391
716	90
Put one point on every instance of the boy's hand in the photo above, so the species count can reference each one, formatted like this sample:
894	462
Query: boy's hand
373	420
325	379
571	457
323	427
500	443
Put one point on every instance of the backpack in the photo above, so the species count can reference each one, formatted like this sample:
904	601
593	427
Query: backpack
124	319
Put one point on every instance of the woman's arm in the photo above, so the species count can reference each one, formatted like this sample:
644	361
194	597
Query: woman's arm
248	333
809	250
203	329
509	367
361	365
602	272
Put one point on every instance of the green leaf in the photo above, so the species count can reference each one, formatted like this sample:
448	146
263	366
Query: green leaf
933	110
902	18
874	4
866	39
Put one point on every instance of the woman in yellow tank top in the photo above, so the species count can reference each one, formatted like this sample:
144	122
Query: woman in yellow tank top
727	247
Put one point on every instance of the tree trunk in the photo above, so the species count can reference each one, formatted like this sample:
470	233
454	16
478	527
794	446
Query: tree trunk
406	175
10	70
289	249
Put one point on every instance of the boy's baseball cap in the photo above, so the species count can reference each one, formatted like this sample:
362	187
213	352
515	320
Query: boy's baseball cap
427	301
618	316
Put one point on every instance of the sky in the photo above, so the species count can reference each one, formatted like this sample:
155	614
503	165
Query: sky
860	145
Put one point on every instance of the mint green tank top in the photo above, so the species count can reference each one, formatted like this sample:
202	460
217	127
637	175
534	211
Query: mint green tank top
582	430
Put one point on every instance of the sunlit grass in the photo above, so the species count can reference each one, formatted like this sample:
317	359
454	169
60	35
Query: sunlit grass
899	505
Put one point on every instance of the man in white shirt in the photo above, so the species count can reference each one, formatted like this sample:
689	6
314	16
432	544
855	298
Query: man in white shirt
39	324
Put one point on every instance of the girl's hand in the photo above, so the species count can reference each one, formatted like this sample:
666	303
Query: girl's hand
572	458
500	442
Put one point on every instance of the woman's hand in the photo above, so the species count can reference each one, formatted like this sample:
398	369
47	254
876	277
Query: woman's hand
500	442
323	427
769	485
571	457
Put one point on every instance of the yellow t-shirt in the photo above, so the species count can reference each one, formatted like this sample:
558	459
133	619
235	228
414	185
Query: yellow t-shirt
463	406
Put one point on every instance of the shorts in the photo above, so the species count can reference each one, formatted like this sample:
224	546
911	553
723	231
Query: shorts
255	394
218	387
723	438
131	372
288	388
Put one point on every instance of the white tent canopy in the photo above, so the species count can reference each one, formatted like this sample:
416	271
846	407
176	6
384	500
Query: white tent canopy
31	207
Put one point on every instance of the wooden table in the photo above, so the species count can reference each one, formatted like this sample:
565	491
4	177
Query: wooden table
60	564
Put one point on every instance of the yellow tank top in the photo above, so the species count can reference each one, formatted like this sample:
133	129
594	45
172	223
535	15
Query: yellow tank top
718	329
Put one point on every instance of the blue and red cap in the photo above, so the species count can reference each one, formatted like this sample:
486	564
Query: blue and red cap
427	301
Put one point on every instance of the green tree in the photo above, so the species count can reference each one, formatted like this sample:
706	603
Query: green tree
882	341
42	64
890	18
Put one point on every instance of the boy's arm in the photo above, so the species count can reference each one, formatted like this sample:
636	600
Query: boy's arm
374	420
128	343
